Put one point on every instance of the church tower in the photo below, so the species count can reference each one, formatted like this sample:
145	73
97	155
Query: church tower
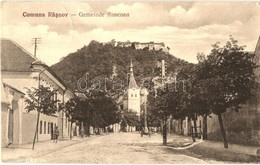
133	93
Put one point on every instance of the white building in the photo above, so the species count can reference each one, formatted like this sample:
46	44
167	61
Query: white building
21	70
12	103
132	98
133	93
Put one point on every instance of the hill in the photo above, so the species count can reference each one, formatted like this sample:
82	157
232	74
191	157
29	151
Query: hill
105	60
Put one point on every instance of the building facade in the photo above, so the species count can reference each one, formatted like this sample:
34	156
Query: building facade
12	104
22	71
144	45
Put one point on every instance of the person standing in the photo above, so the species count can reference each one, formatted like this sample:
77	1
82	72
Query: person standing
56	134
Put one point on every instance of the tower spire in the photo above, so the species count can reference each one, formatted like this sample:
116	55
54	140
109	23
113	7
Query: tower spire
132	82
131	67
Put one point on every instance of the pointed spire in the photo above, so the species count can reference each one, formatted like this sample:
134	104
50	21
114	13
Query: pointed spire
132	82
131	67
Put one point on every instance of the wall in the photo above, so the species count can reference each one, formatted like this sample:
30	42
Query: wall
63	123
44	135
20	80
134	101
242	127
15	105
28	127
16	123
4	112
29	124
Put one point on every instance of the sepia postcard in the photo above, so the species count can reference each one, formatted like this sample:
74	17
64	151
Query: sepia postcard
137	82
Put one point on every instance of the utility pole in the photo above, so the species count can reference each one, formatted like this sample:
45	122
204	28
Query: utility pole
35	41
163	68
164	118
145	93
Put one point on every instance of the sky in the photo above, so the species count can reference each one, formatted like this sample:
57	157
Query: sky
187	28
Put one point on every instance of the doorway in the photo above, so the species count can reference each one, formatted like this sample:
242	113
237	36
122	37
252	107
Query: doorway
11	127
51	129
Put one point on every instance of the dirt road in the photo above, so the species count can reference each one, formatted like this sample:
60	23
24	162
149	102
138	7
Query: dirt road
118	148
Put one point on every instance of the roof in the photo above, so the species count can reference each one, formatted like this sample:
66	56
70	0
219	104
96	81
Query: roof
14	57
4	99
38	62
13	88
132	82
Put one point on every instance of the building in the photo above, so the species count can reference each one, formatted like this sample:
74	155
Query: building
132	97
19	71
144	45
151	46
132	100
12	104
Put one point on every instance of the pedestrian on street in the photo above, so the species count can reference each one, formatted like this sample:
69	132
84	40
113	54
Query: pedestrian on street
56	134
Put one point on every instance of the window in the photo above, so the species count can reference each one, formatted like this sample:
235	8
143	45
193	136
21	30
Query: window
44	127
56	96
51	128
40	127
48	127
66	122
135	95
132	95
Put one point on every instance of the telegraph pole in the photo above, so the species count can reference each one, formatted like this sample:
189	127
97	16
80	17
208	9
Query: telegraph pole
164	118
145	93
35	41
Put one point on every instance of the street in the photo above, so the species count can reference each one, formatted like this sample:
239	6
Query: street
116	148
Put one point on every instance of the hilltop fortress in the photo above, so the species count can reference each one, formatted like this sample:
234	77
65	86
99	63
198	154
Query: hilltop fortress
141	45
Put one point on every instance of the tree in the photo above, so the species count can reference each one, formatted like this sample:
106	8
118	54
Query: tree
70	108
130	118
152	120
104	110
98	60
44	101
164	107
191	101
226	78
76	109
164	99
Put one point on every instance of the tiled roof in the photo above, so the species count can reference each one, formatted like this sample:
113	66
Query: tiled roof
14	57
